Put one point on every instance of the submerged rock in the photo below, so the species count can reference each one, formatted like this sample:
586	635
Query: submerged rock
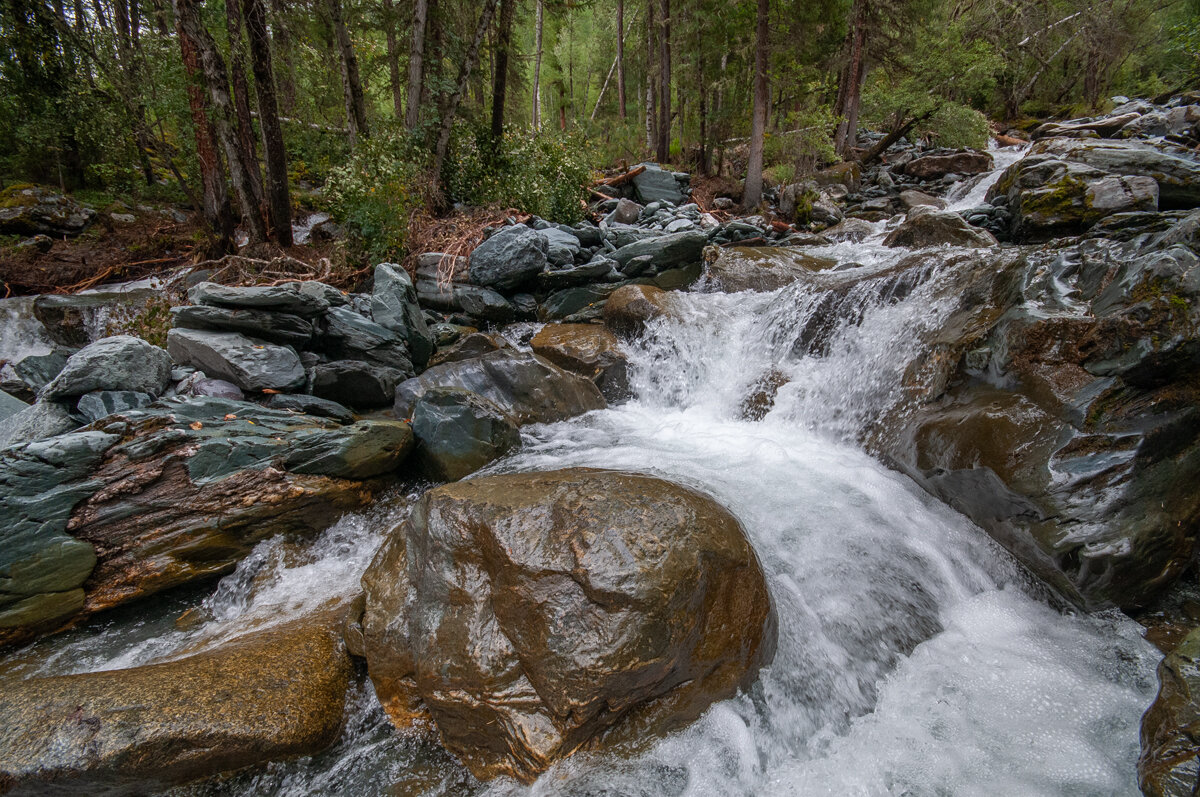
275	693
536	613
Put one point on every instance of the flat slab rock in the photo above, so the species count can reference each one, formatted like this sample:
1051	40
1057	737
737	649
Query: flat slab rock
249	363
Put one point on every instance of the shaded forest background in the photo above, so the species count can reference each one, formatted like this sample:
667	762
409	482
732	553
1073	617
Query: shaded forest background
376	111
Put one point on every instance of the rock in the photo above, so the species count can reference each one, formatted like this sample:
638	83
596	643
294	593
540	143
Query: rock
283	328
561	247
394	306
537	613
795	201
1170	762
276	298
102	403
356	383
666	251
851	230
911	199
724	203
34	210
626	212
508	259
1176	169
272	694
38	370
763	268
589	350
1182	120
657	185
935	167
528	387
345	334
629	308
1103	127
121	362
311	405
574	301
825	211
36	422
250	364
458	432
848	174
928	226
321	291
216	388
573	276
477	302
168	495
78	319
475	344
10	405
41	243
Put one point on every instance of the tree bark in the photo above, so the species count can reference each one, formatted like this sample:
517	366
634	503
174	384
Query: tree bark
241	105
500	81
651	82
216	80
282	40
416	58
279	203
664	89
356	111
850	88
464	75
621	58
393	58
752	194
215	195
537	70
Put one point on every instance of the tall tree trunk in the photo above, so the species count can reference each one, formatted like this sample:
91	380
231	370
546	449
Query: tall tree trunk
850	88
79	16
356	111
464	75
500	82
215	193
216	80
393	58
752	194
664	80
621	58
651	80
416	59
241	106
279	204
537	70
282	39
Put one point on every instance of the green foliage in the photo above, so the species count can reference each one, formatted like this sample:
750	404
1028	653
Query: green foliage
151	321
957	126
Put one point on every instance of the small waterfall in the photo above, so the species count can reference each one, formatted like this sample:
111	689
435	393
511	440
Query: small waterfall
972	192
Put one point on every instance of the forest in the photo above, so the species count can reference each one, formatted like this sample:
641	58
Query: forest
376	111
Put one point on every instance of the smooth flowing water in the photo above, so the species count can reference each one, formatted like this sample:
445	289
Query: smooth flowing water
915	656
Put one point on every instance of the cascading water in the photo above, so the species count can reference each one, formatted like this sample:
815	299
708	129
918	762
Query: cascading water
915	657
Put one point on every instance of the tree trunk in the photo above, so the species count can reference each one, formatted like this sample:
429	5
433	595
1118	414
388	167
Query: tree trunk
500	81
621	58
215	194
279	203
352	92
752	194
282	40
537	70
416	59
651	105
216	80
664	88
899	132
850	89
468	65
241	105
393	58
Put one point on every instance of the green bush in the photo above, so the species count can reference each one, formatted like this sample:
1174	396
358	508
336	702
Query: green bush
957	126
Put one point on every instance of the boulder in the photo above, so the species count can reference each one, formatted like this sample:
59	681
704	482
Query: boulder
10	405
250	364
35	371
935	167
1175	168
36	422
102	403
537	613
282	328
763	268
626	212
168	495
528	387
574	301
78	319
287	298
311	405
475	344
589	350
629	308
477	302
657	185
925	225
217	388
35	210
911	199
1170	762
850	230
394	306
458	432
561	247
356	383
665	251
117	363
582	274
848	174
345	334
510	258
272	694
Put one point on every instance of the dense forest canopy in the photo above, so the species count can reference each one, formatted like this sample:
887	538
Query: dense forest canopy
396	105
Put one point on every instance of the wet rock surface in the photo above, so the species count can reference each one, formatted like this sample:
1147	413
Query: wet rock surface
1170	761
560	638
458	432
589	350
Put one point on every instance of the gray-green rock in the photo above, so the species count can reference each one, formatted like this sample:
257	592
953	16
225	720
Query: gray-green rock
121	362
311	405
10	406
283	328
356	383
345	334
508	259
394	306
287	298
667	251
36	422
458	432
102	403
250	364
925	225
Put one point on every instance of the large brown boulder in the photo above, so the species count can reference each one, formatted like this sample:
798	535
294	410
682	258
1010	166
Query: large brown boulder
275	693
935	167
926	225
537	613
589	350
629	308
763	268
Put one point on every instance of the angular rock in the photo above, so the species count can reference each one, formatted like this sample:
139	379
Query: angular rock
282	328
935	167
311	405
561	247
572	276
102	403
657	185
666	251
572	301
344	334
216	388
1175	168
37	370
394	306
477	302
287	298
36	422
474	345
458	432
357	384
121	362
272	694
78	319
537	613
528	387
626	212
763	268
509	259
34	210
250	364
927	226
911	199
589	350
10	405
631	306
1170	762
